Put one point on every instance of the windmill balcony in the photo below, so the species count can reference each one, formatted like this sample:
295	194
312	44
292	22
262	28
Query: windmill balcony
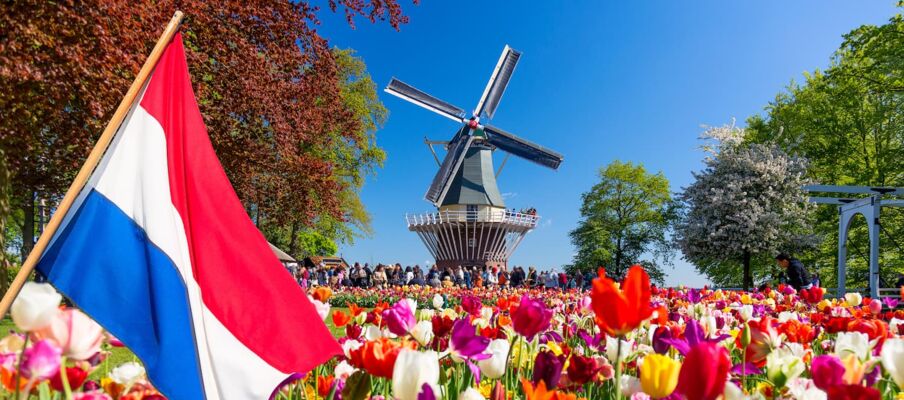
524	220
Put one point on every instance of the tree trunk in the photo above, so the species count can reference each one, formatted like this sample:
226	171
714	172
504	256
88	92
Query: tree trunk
748	277
293	240
28	225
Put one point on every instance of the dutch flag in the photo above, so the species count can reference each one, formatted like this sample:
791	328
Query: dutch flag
159	250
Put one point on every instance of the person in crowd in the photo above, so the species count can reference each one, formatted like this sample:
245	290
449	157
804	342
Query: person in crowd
532	280
552	280
796	273
417	278
579	280
517	277
409	275
379	277
503	279
467	278
563	281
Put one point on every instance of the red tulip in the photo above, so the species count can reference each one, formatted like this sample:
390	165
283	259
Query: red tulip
75	375
853	392
704	372
582	369
621	310
531	317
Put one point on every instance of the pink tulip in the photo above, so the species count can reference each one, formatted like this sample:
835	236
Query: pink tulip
75	333
41	361
95	395
875	306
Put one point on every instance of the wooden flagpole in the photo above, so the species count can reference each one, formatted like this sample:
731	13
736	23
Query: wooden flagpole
88	167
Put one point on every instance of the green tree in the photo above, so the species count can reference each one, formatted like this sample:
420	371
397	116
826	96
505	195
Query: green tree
624	221
847	121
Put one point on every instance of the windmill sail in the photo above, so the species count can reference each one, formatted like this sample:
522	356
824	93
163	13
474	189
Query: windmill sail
458	148
498	82
412	94
522	148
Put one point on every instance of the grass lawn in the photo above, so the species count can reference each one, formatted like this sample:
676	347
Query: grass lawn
120	355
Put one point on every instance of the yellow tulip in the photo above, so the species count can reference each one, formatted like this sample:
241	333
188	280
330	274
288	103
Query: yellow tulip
659	375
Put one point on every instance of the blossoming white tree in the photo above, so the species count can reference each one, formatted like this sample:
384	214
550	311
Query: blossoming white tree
748	201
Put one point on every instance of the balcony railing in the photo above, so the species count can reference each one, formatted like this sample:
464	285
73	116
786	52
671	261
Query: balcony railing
488	215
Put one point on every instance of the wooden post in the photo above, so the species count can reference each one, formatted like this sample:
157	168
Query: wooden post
88	167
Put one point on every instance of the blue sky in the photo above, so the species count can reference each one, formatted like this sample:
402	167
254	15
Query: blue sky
597	81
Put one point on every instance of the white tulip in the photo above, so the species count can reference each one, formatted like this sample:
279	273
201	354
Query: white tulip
343	370
127	374
471	394
896	326
893	360
372	333
426	314
494	367
36	306
323	309
612	349
805	389
856	343
438	301
629	385
853	299
782	366
423	332
349	345
746	312
413	369
486	313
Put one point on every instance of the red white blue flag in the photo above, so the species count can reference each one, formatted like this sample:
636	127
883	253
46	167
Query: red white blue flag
159	250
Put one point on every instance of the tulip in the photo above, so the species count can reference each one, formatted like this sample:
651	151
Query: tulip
353	331
582	369
377	357
438	301
466	343
127	374
471	305
494	367
531	317
36	305
856	343
340	318
827	371
704	372
75	376
782	366
548	369
892	357
422	332
853	392
41	361
412	370
322	294
323	309
400	318
617	350
471	394
619	311
659	375
853	299
343	370
75	333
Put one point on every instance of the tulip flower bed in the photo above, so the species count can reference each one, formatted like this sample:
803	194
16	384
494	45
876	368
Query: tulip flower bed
618	340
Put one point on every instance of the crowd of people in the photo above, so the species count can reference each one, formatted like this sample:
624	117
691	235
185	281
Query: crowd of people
382	275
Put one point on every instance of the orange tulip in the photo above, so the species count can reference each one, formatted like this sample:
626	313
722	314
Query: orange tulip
340	318
378	357
540	392
324	385
619	311
504	320
354	309
322	294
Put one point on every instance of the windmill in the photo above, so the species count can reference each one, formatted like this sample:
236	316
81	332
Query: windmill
472	225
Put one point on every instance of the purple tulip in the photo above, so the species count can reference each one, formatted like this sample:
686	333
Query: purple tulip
531	317
426	393
41	361
472	305
660	345
827	371
693	334
744	369
693	296
890	302
400	318
592	341
548	368
466	343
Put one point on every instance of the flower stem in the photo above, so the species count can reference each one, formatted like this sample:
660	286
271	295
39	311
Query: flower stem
64	376
618	366
19	366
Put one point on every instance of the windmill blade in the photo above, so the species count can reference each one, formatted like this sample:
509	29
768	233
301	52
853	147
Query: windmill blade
522	148
458	149
498	82
412	94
